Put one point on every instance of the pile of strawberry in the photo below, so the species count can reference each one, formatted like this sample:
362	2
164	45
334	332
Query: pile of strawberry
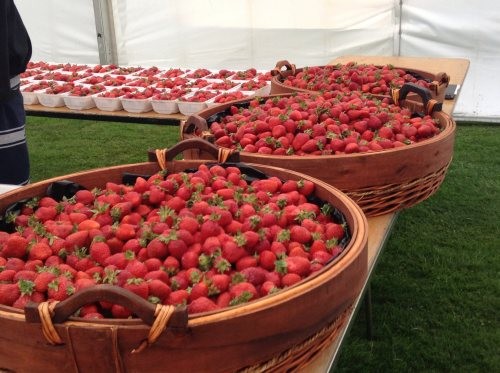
349	77
207	238
314	124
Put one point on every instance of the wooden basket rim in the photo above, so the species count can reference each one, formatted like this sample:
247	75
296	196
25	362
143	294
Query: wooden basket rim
358	243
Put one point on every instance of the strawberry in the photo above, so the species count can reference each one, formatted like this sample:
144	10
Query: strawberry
198	290
24	275
84	196
300	234
120	312
137	286
268	287
254	275
290	279
201	304
137	268
219	283
76	240
99	252
60	288
156	248
7	275
15	247
83	283
40	251
9	293
298	265
178	297
159	289
93	315
45	213
242	292
300	139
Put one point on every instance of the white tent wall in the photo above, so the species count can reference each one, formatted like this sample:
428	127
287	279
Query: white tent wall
239	34
61	30
464	29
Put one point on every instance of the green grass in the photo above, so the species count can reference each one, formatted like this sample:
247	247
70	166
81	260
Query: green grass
61	146
436	290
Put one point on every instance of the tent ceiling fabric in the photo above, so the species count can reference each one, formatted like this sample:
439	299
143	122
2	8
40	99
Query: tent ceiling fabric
240	34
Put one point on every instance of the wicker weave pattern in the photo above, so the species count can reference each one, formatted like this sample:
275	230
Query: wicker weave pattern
298	357
388	198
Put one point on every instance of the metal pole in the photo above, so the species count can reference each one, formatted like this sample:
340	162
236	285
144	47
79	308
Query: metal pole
105	32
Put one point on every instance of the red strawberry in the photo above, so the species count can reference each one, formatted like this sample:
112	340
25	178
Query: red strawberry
157	249
198	290
267	259
268	287
137	286
242	292
24	275
290	279
254	275
7	275
9	294
60	288
300	234
15	247
159	289
136	268
46	213
120	312
40	251
219	283
77	240
201	304
298	265
84	196
300	139
99	252
178	297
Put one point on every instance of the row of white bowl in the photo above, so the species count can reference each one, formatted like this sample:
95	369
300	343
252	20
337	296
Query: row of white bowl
131	105
141	73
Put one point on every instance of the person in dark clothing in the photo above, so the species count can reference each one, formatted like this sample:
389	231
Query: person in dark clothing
15	53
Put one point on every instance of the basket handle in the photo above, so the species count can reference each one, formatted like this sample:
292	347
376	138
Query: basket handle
158	316
430	105
109	293
196	124
278	70
220	154
442	79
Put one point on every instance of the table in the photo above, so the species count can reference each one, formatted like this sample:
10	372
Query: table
150	117
379	227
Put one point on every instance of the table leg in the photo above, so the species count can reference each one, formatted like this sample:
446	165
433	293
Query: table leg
368	312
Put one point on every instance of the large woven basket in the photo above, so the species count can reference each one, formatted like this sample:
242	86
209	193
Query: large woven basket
379	182
437	83
277	332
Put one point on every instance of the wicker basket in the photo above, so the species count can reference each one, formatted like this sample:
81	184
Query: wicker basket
270	331
284	69
379	182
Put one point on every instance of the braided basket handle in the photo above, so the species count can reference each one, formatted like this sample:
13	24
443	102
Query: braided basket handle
155	315
218	153
290	69
429	104
440	82
196	125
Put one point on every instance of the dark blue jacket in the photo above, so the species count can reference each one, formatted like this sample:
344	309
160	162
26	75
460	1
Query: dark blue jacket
15	46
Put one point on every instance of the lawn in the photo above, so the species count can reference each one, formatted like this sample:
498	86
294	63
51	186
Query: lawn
436	290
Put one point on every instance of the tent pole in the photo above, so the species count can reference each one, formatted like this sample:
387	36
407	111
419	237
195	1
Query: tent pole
105	31
400	28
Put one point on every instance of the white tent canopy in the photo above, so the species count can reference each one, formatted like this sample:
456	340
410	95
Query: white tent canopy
238	34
